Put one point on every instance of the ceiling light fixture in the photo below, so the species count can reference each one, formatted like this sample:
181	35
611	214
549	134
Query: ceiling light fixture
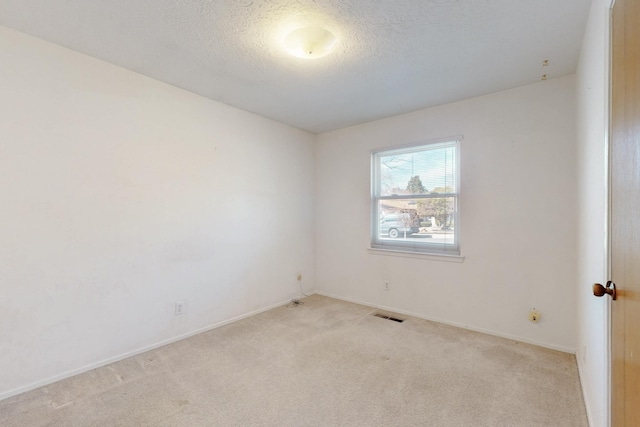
310	42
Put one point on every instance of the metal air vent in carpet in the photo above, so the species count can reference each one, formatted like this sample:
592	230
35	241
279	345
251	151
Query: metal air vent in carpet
389	317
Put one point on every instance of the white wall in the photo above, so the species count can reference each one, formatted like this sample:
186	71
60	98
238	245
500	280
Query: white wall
518	210
120	195
592	126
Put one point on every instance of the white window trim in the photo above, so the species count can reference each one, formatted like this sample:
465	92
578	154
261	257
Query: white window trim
409	250
416	255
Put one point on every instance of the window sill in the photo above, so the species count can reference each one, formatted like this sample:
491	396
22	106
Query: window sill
416	255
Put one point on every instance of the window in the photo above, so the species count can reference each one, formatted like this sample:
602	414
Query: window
414	201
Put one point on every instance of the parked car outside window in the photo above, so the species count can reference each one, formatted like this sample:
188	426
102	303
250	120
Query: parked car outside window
399	225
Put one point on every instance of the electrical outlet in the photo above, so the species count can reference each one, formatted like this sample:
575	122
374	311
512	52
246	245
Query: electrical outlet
299	277
534	316
179	308
386	286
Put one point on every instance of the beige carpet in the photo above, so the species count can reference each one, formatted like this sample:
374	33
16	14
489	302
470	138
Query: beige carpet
323	363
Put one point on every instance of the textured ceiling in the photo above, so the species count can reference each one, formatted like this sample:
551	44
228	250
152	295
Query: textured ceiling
391	57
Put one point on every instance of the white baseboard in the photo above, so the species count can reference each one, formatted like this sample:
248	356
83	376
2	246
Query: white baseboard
447	322
584	394
91	366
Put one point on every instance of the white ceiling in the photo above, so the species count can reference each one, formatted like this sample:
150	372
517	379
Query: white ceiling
392	56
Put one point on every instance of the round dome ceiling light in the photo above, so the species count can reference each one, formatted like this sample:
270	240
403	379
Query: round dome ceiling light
309	42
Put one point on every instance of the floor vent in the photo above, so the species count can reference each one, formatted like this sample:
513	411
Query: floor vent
384	316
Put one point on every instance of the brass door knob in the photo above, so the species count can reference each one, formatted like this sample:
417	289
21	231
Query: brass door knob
610	289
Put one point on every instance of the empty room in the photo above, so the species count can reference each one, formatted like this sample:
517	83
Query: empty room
318	213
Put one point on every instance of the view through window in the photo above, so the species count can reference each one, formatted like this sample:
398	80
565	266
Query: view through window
415	198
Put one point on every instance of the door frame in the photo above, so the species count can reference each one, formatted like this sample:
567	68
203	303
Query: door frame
607	233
